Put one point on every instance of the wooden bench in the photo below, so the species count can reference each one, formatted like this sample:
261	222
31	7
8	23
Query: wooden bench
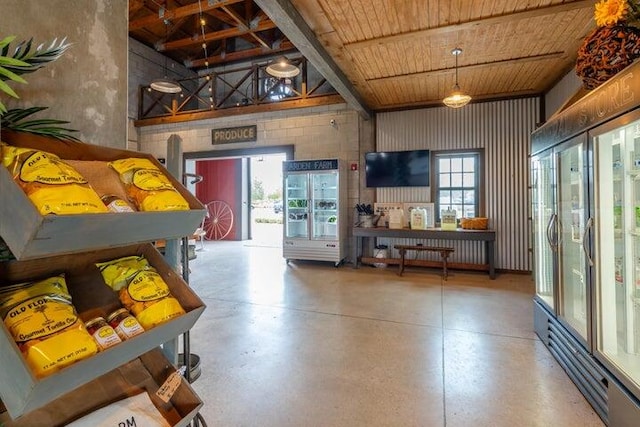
444	253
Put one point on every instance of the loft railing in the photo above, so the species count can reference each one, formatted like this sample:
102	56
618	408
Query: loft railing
239	87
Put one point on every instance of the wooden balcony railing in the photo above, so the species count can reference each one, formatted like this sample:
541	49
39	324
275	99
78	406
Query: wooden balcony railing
241	90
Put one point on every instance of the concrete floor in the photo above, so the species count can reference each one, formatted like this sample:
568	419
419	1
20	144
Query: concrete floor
312	345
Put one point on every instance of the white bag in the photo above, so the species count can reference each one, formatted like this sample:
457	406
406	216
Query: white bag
136	411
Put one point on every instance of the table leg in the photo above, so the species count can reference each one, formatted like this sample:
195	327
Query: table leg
491	259
444	256
401	265
356	243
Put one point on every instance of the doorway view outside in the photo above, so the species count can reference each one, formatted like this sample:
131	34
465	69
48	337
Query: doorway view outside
266	200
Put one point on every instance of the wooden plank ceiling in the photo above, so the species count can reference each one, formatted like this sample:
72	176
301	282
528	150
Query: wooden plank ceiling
395	53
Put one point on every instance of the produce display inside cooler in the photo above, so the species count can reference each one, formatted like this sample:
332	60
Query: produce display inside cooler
325	205
296	209
571	253
617	193
542	169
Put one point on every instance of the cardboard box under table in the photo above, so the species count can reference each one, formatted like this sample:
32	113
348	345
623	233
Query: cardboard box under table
20	390
31	235
146	373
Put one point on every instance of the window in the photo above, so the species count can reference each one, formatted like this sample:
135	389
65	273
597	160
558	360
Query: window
457	183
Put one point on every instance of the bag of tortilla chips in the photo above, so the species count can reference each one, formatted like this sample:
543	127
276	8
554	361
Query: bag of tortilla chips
45	325
52	185
141	290
147	186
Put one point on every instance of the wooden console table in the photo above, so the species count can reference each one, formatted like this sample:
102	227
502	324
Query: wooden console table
363	239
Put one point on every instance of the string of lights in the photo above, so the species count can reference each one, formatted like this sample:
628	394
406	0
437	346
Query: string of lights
206	53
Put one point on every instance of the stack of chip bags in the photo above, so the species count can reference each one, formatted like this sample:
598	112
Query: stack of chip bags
141	290
44	324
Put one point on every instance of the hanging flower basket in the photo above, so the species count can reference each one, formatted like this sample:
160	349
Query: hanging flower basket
606	52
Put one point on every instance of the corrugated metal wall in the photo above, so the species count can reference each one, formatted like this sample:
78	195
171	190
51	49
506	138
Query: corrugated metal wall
503	130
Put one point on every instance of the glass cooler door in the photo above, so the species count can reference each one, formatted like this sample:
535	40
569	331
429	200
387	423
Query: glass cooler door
617	245
325	205
543	217
573	276
296	209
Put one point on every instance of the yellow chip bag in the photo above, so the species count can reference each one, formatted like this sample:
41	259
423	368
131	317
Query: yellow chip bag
52	185
45	325
145	294
118	272
147	186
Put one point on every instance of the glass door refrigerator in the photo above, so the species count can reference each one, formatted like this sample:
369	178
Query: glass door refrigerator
585	215
314	211
616	151
559	226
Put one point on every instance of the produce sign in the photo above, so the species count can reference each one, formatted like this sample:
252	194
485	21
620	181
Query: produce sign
236	134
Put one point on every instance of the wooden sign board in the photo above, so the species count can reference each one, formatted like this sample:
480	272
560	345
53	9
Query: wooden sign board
235	134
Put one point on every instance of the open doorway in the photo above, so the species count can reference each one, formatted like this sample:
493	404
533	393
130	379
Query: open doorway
266	199
229	176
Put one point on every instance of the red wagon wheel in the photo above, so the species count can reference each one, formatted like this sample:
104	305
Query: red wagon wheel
219	220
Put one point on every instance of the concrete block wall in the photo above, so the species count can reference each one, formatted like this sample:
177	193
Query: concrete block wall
145	65
309	130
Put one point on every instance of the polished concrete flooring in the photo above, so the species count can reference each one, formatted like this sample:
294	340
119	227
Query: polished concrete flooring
308	344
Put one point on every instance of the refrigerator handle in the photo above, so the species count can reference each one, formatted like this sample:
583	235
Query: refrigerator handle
559	231
587	227
549	237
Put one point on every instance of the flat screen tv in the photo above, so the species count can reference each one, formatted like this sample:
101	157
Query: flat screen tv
397	168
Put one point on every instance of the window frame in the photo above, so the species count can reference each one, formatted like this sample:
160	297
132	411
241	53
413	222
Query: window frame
478	154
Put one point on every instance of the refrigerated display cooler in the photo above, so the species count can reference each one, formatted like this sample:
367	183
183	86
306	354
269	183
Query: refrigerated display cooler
314	206
585	193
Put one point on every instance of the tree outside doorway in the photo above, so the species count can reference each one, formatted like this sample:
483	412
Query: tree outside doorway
266	200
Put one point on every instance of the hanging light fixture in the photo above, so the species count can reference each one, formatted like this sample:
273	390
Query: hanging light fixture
457	99
282	68
166	85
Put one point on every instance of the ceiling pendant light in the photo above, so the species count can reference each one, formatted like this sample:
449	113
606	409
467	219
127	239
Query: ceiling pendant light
282	68
457	99
166	85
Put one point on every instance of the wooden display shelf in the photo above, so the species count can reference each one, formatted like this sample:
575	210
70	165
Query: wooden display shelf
20	390
31	235
146	373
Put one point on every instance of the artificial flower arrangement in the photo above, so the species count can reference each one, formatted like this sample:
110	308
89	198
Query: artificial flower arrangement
613	45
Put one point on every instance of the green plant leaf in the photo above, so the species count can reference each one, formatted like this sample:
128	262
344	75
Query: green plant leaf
14	119
5	41
17	114
38	58
7	89
11	76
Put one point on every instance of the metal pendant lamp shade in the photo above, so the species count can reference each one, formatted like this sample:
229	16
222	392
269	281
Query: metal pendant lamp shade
165	84
457	99
282	68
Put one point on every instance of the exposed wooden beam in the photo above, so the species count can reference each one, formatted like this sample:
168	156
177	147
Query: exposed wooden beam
215	35
249	109
240	55
179	12
292	25
440	71
471	25
221	16
244	24
135	6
